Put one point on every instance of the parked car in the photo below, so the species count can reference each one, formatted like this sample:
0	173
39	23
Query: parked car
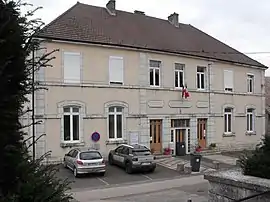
132	157
84	160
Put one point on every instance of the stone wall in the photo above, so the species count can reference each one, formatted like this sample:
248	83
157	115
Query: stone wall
231	185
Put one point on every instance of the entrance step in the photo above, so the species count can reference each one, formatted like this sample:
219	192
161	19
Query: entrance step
161	156
206	152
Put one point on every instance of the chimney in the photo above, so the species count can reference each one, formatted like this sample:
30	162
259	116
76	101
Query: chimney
111	7
173	19
139	12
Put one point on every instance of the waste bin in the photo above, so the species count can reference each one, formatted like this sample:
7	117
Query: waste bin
195	162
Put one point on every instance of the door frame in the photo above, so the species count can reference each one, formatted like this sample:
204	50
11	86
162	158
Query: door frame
206	125
160	134
187	135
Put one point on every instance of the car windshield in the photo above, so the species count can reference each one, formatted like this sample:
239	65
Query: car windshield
90	155
141	152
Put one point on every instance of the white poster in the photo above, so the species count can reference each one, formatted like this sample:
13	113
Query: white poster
133	138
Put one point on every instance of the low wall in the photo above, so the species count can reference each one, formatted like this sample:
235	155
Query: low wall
230	185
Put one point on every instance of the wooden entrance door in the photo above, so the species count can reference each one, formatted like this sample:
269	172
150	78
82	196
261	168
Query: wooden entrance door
201	132
180	142
155	136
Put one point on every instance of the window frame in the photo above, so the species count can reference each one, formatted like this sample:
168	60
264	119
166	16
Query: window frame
200	74
178	71
115	113
252	114
226	118
226	89
154	71
250	77
71	114
68	80
116	82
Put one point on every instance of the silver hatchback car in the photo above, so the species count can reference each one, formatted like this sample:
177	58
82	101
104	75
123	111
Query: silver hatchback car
84	160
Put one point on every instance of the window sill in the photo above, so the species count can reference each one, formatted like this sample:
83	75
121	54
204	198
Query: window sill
250	133
71	144
120	141
232	134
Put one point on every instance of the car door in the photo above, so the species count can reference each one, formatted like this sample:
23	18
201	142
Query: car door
124	155
68	157
116	155
74	158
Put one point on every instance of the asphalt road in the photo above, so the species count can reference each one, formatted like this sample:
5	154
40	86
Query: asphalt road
115	176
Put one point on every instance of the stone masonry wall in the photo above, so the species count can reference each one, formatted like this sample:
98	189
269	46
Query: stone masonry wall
231	185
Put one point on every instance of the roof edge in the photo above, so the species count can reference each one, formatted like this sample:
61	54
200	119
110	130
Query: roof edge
150	49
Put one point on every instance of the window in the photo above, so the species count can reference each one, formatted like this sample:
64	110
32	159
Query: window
172	136
71	121
228	120
250	120
228	80
116	70
155	72
250	83
200	78
178	75
115	122
72	67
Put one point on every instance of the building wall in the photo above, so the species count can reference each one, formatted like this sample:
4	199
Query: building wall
142	102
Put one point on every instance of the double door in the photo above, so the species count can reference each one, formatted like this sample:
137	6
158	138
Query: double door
182	141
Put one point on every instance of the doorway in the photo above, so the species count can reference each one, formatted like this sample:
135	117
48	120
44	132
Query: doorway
201	132
180	142
155	136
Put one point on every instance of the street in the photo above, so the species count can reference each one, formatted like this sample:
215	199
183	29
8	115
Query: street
178	189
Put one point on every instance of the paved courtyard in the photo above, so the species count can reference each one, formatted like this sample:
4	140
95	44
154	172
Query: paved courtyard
115	176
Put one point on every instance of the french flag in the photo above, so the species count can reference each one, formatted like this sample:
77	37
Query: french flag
185	93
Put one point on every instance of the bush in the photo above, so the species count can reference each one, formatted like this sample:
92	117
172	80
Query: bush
257	163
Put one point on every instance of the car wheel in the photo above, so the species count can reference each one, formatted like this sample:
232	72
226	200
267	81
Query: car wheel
75	172
65	164
128	168
152	170
110	159
102	174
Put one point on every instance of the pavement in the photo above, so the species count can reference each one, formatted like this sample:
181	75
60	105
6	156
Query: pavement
180	189
115	176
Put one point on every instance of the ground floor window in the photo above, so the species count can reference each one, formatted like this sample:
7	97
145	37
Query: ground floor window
228	120
71	124
115	122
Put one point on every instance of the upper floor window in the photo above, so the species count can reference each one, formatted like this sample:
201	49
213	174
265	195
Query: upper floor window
116	70
71	123
201	78
178	75
228	80
155	72
72	67
228	120
115	122
250	120
250	83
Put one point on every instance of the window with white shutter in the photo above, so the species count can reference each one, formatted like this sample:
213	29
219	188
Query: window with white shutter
228	80
116	70
72	67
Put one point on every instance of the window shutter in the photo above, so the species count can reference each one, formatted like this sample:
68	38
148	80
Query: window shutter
116	69
72	67
228	79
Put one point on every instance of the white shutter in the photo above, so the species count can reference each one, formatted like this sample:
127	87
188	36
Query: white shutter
72	67
228	79
116	69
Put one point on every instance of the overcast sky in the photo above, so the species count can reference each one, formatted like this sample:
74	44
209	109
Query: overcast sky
242	24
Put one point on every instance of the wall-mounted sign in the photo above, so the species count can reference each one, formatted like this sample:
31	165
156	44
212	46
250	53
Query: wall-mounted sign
95	136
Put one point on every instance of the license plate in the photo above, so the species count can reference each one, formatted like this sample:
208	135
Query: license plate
92	164
146	164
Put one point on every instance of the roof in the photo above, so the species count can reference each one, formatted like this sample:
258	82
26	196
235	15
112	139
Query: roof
267	93
91	24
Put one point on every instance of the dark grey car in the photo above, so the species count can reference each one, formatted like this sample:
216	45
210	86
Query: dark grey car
132	157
